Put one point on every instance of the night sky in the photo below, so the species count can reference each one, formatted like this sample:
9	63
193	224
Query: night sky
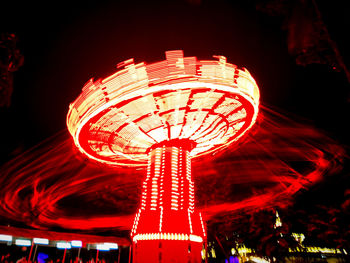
65	44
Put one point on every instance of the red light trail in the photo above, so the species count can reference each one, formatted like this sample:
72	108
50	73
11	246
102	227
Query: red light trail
51	186
43	187
165	113
117	119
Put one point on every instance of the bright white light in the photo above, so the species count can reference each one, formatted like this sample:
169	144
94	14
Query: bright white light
167	236
196	238
23	242
63	245
76	243
111	245
41	241
5	238
102	247
259	260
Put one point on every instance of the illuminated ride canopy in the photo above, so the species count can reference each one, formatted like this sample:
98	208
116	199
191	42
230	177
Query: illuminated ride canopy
162	115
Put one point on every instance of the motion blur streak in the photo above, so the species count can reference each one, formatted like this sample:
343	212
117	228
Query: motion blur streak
39	185
52	185
278	160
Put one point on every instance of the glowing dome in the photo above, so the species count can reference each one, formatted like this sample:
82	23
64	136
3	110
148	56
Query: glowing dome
117	120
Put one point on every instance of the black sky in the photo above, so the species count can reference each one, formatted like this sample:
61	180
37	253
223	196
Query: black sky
66	44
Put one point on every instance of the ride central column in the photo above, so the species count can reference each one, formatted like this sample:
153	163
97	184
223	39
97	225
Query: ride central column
167	227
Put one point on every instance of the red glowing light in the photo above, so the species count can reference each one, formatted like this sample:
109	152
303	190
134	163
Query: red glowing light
117	119
38	184
167	211
165	113
67	193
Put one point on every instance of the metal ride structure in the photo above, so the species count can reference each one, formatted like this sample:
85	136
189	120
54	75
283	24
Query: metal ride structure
162	116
